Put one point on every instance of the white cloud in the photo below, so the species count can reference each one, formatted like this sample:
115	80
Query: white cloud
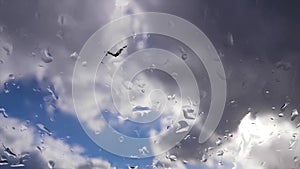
20	139
264	142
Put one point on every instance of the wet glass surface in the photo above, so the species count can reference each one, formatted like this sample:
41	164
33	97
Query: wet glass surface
48	118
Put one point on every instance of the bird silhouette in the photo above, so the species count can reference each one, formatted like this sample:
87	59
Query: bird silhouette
117	53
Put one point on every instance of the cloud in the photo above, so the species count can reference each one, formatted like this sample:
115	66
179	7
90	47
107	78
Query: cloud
262	142
22	138
57	33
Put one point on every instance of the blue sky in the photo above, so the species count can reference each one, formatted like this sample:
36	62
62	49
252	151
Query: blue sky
25	104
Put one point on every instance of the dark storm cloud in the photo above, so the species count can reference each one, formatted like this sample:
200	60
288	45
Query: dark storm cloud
264	54
265	35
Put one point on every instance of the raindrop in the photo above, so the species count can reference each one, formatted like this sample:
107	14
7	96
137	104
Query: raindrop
283	65
44	129
3	112
280	115
144	150
284	106
47	57
1	28
273	108
11	77
23	128
220	163
220	153
230	39
184	56
185	161
17	165
133	167
61	20
233	103
74	56
8	48
3	161
171	97
183	126
8	152
84	63
172	157
51	164
293	141
97	132
219	142
294	114
174	75
60	34
204	158
128	85
189	113
40	149
298	125
121	139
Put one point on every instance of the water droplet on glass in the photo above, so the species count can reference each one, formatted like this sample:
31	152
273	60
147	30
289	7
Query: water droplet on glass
183	126
9	152
74	56
294	114
280	115
11	77
144	150
283	65
174	75
293	141
230	39
204	158
3	112
60	34
51	164
172	157
220	153
61	20
121	139
8	48
298	125
219	142
189	113
1	28
44	129
220	163
184	56
23	128
128	85
171	97
185	161
284	106
3	160
17	165
84	63
47	57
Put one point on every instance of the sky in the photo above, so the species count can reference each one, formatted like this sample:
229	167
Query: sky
48	118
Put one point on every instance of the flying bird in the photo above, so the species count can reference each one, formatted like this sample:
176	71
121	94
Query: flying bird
117	53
